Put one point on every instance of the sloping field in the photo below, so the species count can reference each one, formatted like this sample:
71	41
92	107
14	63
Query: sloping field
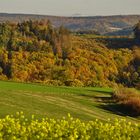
56	102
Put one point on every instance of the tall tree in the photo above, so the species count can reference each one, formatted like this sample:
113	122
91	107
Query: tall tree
137	33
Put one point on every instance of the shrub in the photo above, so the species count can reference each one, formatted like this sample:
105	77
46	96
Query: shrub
129	99
74	83
3	77
53	83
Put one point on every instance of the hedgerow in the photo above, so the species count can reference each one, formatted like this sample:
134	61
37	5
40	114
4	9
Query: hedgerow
129	99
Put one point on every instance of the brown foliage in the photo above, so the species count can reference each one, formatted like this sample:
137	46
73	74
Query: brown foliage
129	99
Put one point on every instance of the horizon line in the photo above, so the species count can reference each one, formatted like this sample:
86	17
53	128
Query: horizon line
73	16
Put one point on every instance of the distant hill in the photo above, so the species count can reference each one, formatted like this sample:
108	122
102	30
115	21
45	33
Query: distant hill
110	25
123	32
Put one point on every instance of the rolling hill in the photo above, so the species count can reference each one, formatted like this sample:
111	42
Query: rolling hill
87	103
116	25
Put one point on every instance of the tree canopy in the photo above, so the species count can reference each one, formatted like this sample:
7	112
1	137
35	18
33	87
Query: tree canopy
35	51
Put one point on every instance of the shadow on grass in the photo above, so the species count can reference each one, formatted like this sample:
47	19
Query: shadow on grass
108	104
101	91
97	94
101	97
115	109
104	99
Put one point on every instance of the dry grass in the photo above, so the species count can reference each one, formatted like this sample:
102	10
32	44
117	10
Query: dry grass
129	99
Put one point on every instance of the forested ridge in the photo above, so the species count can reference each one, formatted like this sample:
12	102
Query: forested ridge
35	51
110	25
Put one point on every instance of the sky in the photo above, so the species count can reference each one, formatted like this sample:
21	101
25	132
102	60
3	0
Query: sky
71	7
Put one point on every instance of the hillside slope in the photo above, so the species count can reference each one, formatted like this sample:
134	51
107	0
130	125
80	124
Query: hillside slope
56	102
33	52
102	24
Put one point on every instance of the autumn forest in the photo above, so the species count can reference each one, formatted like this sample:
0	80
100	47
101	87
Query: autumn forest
36	51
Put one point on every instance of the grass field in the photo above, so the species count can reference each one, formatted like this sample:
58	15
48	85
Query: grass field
84	103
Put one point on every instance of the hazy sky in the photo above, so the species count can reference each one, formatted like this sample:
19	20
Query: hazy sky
71	7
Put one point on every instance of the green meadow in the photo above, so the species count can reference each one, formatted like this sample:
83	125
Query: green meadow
86	103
